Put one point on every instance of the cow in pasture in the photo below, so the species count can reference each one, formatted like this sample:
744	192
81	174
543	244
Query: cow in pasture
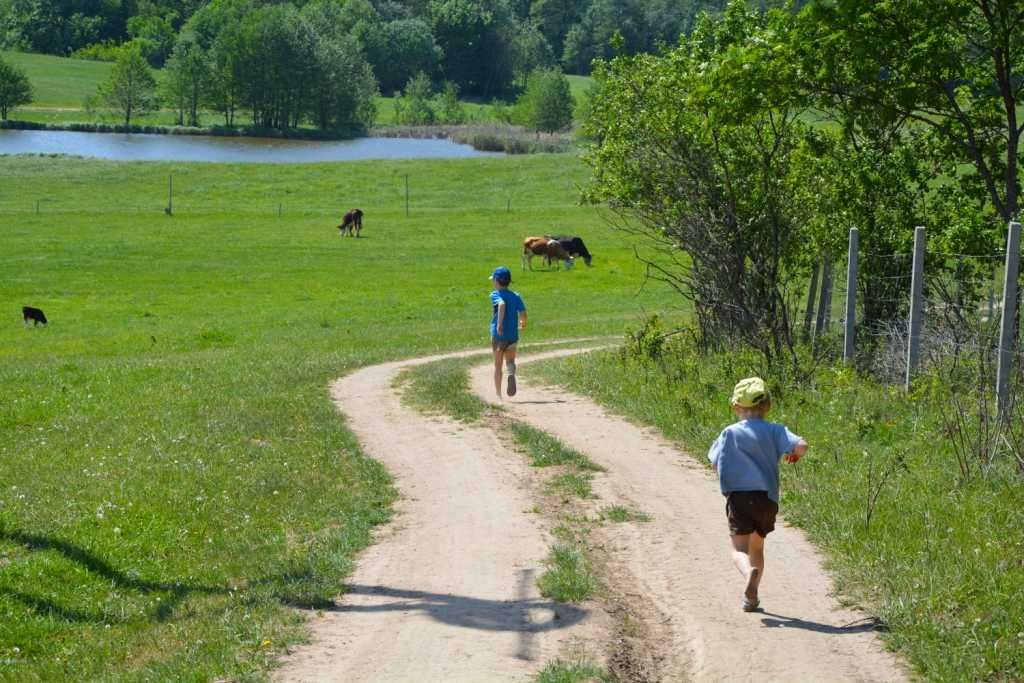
353	222
34	314
548	248
573	245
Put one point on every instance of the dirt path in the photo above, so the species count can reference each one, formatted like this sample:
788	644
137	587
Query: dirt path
448	590
679	562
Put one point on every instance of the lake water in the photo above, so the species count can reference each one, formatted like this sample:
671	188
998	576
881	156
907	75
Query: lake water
143	147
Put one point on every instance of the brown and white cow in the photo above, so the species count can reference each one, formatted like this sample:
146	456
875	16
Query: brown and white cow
548	248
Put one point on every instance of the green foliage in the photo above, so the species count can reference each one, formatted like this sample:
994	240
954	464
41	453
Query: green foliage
106	51
131	86
155	37
547	105
475	37
415	107
186	80
401	49
938	563
15	89
450	109
621	514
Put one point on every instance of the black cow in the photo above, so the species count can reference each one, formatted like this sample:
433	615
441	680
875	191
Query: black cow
352	222
573	245
34	314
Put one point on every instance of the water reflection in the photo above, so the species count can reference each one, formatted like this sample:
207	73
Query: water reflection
143	147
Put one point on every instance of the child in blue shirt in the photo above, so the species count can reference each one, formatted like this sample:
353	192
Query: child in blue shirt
746	457
508	317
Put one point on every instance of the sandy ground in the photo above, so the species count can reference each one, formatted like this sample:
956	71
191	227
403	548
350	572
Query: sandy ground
680	561
447	592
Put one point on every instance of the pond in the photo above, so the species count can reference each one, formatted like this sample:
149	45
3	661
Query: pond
145	147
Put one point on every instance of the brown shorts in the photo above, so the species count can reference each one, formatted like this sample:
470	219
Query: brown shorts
750	511
502	344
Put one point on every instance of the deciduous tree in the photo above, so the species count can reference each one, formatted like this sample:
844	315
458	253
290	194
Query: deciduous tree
15	89
131	86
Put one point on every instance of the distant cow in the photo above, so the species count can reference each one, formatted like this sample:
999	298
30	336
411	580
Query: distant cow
548	248
573	245
353	222
33	314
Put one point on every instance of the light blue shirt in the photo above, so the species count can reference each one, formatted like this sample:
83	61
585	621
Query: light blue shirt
747	456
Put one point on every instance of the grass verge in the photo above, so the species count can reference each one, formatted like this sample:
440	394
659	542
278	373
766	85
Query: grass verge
939	559
568	577
442	388
621	514
575	671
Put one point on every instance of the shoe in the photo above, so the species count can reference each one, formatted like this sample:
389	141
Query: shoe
751	605
511	385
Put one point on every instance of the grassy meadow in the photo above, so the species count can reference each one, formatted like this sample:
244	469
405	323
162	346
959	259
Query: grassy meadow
174	475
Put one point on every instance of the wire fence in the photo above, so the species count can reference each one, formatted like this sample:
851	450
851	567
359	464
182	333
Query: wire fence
907	313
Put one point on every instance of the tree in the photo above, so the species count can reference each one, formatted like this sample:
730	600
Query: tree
547	105
705	173
343	99
476	39
187	77
450	109
415	109
952	68
131	87
15	89
400	50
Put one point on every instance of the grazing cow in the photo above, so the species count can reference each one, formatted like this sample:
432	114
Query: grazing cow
573	245
353	222
548	248
33	314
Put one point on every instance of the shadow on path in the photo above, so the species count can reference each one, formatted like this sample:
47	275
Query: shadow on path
864	625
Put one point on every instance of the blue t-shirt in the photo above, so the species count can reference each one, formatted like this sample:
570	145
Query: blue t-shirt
747	455
513	306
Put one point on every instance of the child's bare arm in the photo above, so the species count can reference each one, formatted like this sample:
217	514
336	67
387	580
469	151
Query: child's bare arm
501	317
522	320
798	452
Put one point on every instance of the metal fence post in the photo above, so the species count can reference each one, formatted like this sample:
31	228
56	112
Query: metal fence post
1007	323
916	309
851	296
809	311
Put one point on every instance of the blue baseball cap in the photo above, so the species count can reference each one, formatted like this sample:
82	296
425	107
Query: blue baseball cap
501	274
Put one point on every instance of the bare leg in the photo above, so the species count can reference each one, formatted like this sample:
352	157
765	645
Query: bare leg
748	556
498	354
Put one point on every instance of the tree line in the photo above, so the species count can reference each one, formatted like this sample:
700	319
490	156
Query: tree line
486	47
746	153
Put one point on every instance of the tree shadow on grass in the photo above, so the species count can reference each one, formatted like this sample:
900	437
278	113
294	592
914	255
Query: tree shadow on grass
865	625
175	592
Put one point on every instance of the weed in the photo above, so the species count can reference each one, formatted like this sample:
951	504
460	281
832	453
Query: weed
576	671
570	484
621	513
568	577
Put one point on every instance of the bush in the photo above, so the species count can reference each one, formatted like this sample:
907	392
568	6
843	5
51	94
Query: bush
107	51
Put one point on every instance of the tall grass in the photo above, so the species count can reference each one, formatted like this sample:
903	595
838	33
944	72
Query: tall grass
940	560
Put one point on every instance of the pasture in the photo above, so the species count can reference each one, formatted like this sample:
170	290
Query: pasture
174	477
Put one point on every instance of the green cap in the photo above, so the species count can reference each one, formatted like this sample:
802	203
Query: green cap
749	392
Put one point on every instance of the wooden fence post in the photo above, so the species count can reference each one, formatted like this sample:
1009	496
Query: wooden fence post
1007	336
406	195
916	308
851	296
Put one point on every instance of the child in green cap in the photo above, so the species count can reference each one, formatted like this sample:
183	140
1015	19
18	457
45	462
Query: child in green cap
746	457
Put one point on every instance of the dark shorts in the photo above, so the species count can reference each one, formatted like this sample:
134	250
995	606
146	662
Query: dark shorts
750	511
502	344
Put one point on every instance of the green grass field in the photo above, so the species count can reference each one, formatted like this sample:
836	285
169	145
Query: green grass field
174	475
